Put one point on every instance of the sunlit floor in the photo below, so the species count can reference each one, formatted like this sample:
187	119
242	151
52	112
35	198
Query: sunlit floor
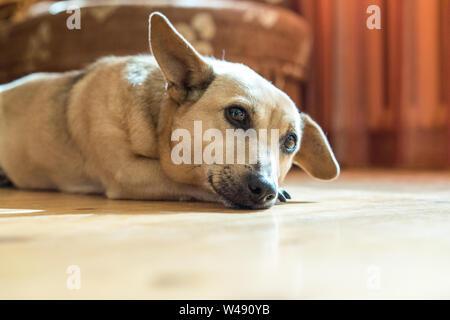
370	234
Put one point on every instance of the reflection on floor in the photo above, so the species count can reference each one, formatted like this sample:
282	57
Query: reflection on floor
370	234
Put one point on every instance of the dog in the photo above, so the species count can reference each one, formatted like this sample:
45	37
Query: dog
107	129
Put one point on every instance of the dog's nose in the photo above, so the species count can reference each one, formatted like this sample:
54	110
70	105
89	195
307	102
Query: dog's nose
261	190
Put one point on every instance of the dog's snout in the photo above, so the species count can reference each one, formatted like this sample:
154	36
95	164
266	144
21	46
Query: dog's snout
261	190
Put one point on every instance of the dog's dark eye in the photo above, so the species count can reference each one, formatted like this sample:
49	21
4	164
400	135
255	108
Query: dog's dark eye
237	116
290	142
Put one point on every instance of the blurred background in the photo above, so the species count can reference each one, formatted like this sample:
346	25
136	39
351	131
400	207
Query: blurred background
381	95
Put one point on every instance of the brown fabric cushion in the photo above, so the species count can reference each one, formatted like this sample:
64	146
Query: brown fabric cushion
273	41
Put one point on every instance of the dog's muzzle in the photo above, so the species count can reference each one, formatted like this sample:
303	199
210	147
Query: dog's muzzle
261	191
252	191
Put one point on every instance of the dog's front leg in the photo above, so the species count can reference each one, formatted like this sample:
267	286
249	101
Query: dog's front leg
143	179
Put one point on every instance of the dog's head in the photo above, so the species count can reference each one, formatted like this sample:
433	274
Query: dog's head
211	105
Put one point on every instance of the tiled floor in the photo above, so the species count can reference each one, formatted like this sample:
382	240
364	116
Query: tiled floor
370	234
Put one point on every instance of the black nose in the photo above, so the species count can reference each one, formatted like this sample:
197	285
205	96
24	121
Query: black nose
261	190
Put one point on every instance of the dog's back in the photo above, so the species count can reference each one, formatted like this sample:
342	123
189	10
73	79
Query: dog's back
45	119
35	134
32	118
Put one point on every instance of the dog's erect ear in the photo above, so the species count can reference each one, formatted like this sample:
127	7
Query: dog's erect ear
183	67
315	155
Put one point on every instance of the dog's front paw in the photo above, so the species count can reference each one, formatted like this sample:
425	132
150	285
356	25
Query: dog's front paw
283	195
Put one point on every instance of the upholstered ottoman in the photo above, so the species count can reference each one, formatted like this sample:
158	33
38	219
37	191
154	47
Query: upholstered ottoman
273	41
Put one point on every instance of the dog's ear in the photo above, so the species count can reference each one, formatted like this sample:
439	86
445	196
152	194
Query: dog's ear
315	155
183	67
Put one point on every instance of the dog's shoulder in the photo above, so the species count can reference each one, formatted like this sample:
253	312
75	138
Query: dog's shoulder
134	71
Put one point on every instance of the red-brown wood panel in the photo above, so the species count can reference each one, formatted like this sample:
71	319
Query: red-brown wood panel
382	94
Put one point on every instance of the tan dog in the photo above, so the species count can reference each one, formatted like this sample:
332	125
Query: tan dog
108	129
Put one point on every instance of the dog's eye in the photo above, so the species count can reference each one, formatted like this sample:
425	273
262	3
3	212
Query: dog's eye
290	142
237	116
